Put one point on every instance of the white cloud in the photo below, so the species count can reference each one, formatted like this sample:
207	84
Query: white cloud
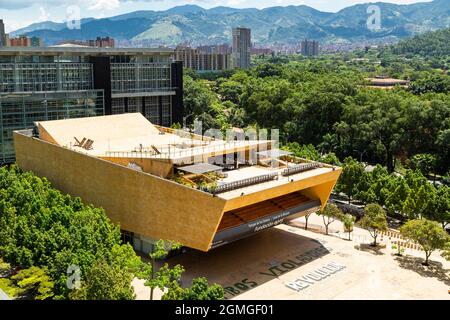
44	16
89	4
104	4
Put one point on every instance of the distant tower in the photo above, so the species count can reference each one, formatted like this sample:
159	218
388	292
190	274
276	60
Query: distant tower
242	46
2	34
310	48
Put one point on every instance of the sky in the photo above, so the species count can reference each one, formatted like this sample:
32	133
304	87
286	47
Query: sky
21	13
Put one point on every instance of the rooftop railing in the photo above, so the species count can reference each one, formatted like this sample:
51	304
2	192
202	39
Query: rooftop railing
215	148
130	154
241	183
301	168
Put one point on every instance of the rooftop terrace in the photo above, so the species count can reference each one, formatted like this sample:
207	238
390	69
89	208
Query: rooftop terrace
244	167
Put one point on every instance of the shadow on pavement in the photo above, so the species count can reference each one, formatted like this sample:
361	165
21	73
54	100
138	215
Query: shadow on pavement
371	249
434	270
248	263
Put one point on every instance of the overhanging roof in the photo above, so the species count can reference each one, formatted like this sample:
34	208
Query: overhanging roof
201	168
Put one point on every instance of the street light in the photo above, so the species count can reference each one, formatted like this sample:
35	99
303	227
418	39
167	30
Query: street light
185	119
361	154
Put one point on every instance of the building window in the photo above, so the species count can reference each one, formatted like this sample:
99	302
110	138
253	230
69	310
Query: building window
134	105
118	106
152	109
166	111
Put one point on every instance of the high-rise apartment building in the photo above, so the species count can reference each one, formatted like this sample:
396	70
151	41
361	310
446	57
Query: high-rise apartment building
2	34
199	60
38	84
242	46
310	48
218	48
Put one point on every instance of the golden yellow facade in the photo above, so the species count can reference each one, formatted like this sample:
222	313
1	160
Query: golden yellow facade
146	204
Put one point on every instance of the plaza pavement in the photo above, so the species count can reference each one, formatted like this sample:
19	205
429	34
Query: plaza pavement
261	267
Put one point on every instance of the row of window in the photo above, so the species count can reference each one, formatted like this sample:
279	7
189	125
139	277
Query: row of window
140	77
43	77
151	110
82	59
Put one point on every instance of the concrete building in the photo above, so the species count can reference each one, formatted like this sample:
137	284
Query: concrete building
310	48
262	51
217	48
99	42
2	34
242	47
161	183
39	84
20	41
199	60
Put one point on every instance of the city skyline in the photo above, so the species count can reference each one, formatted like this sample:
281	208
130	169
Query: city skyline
13	13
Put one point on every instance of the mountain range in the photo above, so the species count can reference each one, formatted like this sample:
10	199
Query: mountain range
287	25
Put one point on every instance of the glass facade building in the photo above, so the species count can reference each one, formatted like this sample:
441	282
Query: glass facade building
20	111
38	84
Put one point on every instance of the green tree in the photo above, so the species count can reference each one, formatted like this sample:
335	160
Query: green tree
105	282
330	158
433	83
329	214
41	227
348	221
441	206
34	282
200	290
428	234
426	163
230	90
446	252
374	221
374	119
164	276
302	151
395	201
352	173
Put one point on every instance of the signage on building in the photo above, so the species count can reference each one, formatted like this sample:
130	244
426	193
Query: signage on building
247	229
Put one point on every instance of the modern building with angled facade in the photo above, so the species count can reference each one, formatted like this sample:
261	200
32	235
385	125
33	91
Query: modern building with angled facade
162	183
38	84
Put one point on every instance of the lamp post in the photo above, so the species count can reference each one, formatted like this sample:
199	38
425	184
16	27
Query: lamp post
185	120
361	154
